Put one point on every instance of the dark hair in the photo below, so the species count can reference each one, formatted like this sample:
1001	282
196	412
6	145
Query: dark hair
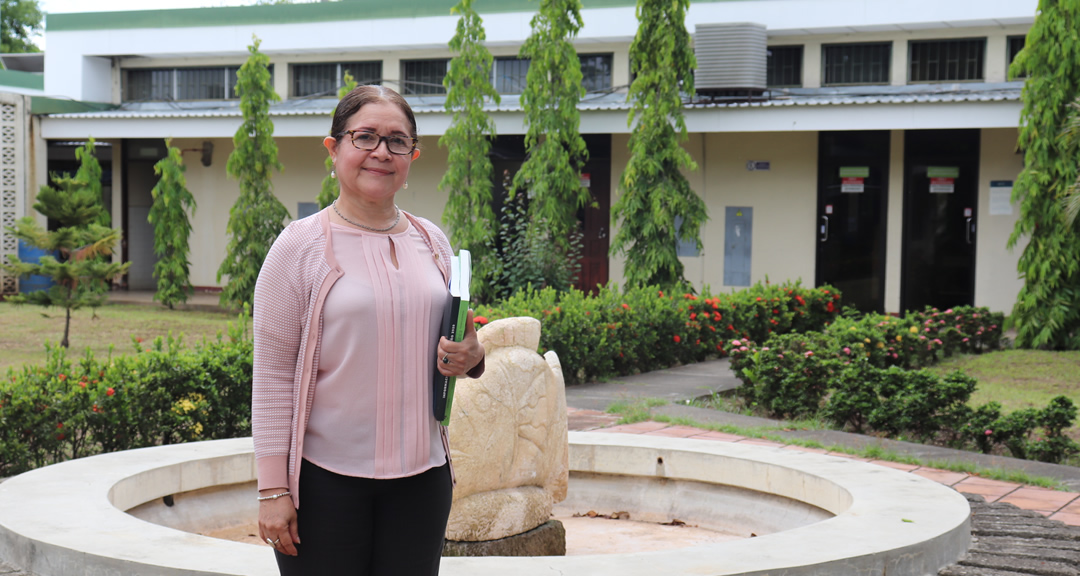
367	94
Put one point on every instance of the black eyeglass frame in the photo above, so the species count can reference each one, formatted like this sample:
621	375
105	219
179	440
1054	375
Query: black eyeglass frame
352	140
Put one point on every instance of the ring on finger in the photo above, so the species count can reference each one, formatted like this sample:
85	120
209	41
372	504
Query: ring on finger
446	359
273	542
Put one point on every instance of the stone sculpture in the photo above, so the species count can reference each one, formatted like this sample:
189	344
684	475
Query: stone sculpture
508	437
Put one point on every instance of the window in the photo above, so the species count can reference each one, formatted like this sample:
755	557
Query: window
510	75
596	72
1015	45
325	79
165	84
857	63
423	76
783	66
946	60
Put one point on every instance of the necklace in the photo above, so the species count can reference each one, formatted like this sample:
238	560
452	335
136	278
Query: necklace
387	229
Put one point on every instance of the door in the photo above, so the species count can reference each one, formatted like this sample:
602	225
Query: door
596	220
941	175
853	175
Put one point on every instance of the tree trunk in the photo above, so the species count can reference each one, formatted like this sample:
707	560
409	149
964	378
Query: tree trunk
67	328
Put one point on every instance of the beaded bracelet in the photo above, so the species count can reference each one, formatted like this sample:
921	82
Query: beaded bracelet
273	496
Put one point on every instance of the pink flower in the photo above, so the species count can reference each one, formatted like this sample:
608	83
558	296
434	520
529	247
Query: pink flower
974	315
847	350
766	349
736	343
949	311
966	339
809	353
937	341
989	432
926	330
743	348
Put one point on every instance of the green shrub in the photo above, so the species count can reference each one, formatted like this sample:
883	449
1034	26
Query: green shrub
789	377
163	393
1028	433
615	333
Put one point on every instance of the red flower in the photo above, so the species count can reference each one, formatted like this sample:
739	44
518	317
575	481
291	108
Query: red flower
677	339
625	306
775	311
693	315
720	347
759	298
62	376
109	391
59	425
661	293
800	300
95	408
137	339
481	320
60	436
82	384
730	327
829	307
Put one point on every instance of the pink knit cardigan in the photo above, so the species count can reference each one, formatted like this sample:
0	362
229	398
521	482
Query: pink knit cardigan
296	276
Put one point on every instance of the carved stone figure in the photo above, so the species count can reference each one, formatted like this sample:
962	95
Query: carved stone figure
508	437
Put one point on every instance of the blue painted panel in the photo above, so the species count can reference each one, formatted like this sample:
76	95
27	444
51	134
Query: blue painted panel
305	209
738	241
684	248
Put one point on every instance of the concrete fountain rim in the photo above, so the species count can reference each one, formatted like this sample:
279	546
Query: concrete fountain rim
884	519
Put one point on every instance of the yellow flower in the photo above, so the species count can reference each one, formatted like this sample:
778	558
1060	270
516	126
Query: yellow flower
880	344
867	340
197	428
899	337
914	329
861	345
852	328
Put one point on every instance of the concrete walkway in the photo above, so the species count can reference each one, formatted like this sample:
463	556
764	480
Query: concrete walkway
677	385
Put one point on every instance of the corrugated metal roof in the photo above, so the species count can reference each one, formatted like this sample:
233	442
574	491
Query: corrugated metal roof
843	96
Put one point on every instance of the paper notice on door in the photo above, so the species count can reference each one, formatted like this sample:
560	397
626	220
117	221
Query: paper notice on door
942	185
852	185
1001	197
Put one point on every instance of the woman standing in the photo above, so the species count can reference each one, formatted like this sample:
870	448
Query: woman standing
347	313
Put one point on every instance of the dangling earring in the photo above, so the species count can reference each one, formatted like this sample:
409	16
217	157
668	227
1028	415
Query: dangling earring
405	186
333	173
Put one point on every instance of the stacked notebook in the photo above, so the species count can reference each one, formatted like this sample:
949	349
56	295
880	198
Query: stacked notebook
453	328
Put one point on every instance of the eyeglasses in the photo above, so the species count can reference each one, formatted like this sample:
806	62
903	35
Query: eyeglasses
400	145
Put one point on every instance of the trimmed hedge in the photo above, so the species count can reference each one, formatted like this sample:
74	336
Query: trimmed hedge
866	374
616	333
163	393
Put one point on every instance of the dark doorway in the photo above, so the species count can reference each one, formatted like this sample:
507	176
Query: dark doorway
507	155
853	176
139	157
941	176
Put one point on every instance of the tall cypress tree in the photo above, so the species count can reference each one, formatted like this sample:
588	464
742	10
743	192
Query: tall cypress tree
330	189
468	214
1047	310
555	149
258	216
654	190
172	228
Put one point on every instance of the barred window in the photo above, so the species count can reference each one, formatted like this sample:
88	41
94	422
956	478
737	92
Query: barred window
1015	45
324	79
783	66
510	73
596	72
164	84
857	63
423	76
946	60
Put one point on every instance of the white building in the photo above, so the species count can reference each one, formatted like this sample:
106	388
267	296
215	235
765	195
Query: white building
879	160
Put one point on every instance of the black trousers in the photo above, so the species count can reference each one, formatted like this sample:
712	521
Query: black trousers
365	527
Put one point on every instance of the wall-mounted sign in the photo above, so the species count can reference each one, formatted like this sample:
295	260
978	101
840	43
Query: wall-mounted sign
828	208
967	212
853	179
586	180
852	185
943	178
757	165
1001	197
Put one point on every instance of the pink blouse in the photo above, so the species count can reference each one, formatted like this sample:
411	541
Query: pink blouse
371	414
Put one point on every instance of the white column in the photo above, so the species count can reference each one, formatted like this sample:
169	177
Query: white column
812	65
898	70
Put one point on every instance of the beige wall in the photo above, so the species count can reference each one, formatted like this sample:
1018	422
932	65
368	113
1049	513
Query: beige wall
894	218
996	279
215	192
784	200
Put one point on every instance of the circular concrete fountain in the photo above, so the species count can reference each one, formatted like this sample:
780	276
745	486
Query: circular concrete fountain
814	514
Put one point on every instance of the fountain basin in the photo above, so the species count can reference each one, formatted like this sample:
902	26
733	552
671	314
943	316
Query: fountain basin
814	514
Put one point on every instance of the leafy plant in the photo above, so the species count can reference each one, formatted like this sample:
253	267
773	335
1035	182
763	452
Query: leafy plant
172	228
655	194
330	190
468	215
1047	310
528	254
258	216
78	250
551	173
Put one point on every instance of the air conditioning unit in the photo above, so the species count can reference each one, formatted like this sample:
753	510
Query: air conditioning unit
730	59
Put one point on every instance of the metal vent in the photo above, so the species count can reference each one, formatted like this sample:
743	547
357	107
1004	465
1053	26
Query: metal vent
731	58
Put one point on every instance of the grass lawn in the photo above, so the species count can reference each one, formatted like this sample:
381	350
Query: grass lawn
23	329
1019	378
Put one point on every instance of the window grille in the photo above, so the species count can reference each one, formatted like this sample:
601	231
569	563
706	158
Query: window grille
1015	45
596	72
857	63
324	79
163	84
510	75
946	60
423	76
783	66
